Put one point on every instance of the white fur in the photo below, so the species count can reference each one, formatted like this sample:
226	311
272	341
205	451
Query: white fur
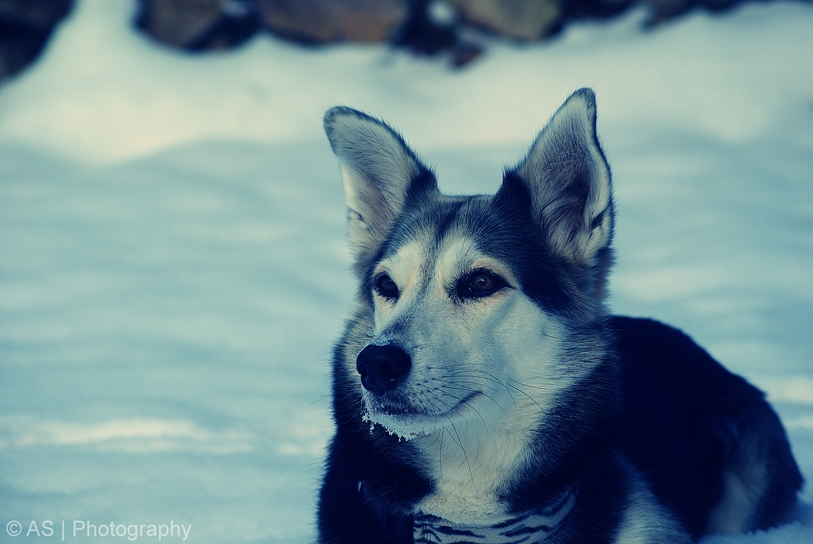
646	520
405	270
743	484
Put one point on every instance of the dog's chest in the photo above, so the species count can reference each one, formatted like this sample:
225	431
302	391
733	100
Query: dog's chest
532	527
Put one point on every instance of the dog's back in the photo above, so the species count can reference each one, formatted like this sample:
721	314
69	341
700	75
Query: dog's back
710	446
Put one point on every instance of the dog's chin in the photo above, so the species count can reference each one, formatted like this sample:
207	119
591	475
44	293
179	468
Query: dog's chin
408	422
403	426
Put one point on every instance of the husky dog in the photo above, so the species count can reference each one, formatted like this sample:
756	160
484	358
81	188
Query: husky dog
482	392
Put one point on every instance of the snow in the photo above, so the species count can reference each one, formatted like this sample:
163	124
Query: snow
173	269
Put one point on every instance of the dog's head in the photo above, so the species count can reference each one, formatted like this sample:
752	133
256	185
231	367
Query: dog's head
470	298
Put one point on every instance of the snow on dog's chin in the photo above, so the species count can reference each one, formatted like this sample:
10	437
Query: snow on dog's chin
404	426
401	418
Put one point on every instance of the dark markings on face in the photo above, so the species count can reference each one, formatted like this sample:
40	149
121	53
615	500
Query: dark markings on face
501	226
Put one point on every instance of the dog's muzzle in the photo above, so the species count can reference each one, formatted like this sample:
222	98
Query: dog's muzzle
383	368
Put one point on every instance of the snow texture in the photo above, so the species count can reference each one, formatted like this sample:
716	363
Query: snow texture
173	268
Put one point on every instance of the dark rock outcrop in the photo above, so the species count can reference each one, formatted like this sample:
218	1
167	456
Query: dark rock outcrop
454	29
25	26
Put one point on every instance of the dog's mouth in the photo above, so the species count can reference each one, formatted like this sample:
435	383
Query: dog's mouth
411	419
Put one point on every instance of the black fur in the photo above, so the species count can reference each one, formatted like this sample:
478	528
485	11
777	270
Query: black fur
687	416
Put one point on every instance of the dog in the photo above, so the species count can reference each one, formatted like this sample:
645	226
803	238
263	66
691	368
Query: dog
482	391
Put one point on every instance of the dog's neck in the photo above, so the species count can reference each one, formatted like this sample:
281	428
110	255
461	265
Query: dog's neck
533	526
470	462
536	525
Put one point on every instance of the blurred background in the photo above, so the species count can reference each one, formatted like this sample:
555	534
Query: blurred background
428	27
173	267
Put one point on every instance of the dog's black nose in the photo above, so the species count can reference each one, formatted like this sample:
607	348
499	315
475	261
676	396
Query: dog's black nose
382	368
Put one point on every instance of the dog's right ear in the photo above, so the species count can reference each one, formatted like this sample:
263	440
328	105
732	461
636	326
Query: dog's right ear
378	171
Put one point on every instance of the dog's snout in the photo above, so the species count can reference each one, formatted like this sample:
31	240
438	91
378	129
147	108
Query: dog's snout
382	368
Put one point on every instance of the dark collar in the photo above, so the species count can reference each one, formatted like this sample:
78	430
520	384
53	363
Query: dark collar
399	528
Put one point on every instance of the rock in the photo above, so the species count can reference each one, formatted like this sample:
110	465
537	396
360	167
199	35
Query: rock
197	25
664	10
321	21
41	13
25	26
433	30
178	23
517	19
426	34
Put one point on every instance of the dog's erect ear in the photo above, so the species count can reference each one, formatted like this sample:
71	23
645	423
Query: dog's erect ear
378	171
569	182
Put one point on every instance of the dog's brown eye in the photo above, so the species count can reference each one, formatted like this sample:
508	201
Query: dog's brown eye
385	287
480	283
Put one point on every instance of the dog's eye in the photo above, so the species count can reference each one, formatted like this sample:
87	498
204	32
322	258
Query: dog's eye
480	283
385	287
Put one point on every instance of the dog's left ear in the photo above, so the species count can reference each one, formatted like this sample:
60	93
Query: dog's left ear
378	170
568	179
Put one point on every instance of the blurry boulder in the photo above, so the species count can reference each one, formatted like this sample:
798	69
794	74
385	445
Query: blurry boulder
198	24
321	21
41	13
660	11
432	30
581	10
178	22
426	33
517	19
25	26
